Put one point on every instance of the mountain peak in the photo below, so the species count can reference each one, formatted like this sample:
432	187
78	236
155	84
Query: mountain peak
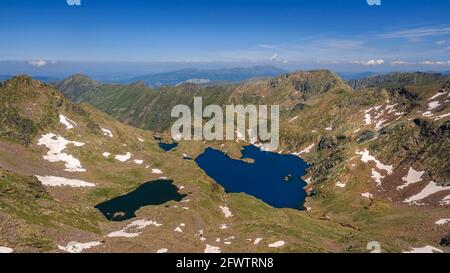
75	86
310	83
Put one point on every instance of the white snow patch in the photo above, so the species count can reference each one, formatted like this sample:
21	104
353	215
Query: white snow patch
107	132
430	189
135	225
427	114
70	124
53	181
212	249
330	128
380	124
412	177
122	233
141	224
257	241
368	119
437	95
278	244
377	177
226	211
433	105
308	180
367	195
425	249
56	145
307	150
340	185
442	116
366	157
178	229
76	247
140	139
138	225
223	226
157	171
138	161
124	158
4	250
162	250
445	201
442	222
106	154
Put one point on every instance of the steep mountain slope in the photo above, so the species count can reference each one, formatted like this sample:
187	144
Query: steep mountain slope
58	160
76	86
379	169
379	155
149	108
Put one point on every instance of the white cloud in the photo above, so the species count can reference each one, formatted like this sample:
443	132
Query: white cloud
442	42
38	63
274	57
370	62
448	48
416	32
342	44
432	63
375	62
266	46
399	62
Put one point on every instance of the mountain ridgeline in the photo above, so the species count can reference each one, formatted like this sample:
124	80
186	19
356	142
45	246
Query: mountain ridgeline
149	108
207	76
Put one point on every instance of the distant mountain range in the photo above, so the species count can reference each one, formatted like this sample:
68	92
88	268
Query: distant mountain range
207	76
46	79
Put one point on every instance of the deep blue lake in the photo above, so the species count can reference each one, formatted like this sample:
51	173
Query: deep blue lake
273	178
167	146
154	193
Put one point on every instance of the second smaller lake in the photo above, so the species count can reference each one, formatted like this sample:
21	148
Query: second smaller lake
150	193
167	146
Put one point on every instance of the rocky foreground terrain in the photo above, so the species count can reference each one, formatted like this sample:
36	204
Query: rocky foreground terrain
379	151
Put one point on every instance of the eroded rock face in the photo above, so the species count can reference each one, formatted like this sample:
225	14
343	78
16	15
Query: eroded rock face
365	136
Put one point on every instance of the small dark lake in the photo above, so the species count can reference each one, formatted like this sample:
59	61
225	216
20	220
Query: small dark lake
155	193
167	146
273	178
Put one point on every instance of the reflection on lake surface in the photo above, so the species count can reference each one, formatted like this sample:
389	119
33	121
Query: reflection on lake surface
150	193
274	178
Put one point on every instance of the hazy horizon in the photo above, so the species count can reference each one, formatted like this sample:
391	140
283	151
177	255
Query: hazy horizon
52	38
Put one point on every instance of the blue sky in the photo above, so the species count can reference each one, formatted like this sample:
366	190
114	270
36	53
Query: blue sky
335	34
